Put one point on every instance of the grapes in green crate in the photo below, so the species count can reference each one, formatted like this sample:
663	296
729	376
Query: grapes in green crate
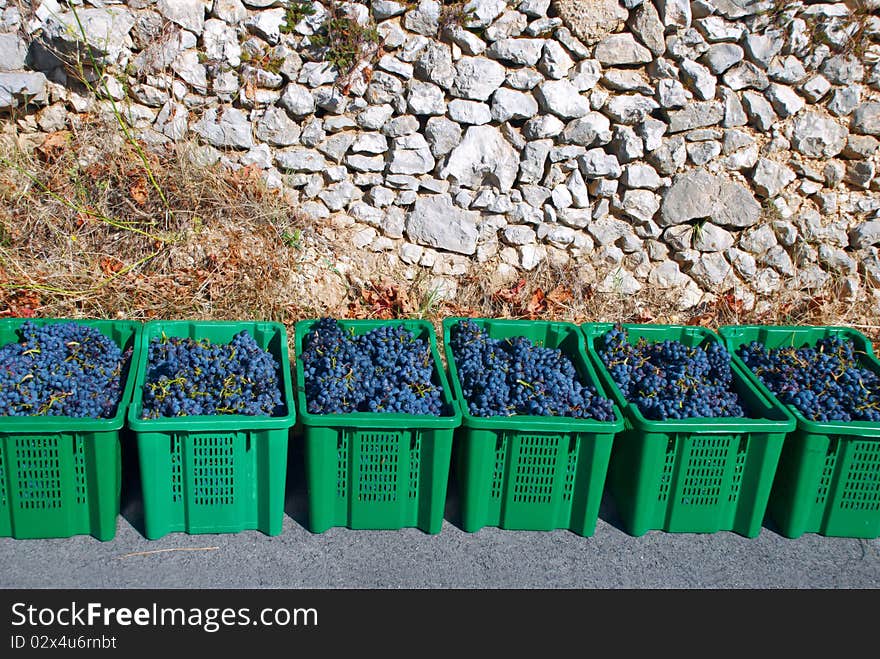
189	377
387	369
669	380
823	381
504	377
61	369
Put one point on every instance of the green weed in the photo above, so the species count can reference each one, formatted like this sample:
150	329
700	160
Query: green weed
346	41
296	11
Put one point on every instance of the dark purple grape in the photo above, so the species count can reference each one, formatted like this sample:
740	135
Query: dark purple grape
823	381
504	377
668	380
62	369
386	369
187	377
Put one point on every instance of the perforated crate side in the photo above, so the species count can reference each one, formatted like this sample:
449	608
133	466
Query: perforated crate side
38	473
368	470
697	475
531	481
693	482
376	478
828	484
5	525
60	476
828	481
860	476
530	472
378	467
59	485
213	482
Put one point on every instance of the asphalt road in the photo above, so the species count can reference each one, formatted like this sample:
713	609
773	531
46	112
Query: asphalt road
409	558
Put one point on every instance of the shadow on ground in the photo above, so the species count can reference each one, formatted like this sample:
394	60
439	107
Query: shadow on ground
296	505
131	500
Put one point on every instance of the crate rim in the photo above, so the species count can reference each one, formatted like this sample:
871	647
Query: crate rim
700	425
375	420
219	422
15	425
853	428
526	422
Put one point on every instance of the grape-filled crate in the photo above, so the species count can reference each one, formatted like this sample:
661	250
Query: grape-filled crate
701	443
537	426
211	412
378	418
828	479
65	386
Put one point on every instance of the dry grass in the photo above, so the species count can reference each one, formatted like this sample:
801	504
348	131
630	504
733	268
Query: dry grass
563	293
83	234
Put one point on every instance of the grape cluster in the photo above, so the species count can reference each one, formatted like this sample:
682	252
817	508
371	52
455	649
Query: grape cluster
386	369
504	377
823	381
668	380
188	377
61	369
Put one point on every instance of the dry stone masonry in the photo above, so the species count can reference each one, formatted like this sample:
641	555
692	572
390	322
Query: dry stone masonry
705	147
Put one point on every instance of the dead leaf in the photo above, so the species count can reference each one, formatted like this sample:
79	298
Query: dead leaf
110	265
20	304
729	303
138	191
511	294
536	305
357	310
703	320
560	296
96	170
250	89
644	316
384	300
54	145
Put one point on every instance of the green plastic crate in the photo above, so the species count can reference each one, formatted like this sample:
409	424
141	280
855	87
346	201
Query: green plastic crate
377	471
828	480
61	476
692	475
532	472
214	474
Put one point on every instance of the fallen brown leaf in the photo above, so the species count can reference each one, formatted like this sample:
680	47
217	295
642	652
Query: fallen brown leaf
644	316
110	265
54	145
511	294
560	296
138	191
703	320
536	305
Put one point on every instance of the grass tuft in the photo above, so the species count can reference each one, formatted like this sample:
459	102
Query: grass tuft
84	233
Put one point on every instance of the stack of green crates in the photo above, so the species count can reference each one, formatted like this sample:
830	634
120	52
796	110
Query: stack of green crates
828	481
693	475
369	470
61	476
214	474
532	472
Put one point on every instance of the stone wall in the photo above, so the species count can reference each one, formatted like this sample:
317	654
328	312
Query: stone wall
708	146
